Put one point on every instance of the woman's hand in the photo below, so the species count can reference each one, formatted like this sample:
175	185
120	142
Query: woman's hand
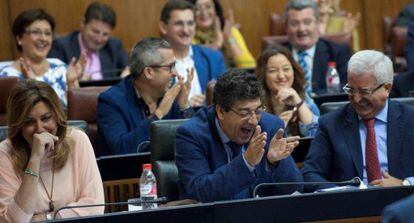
288	96
26	68
42	143
75	70
228	25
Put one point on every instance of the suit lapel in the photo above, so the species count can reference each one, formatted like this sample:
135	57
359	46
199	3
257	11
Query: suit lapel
394	135
219	150
351	133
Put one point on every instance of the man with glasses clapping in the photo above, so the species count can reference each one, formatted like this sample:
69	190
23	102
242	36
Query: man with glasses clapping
227	149
126	110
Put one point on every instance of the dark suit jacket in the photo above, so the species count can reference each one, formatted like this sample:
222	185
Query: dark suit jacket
336	155
112	56
208	63
121	122
403	84
204	170
405	16
400	211
325	52
409	49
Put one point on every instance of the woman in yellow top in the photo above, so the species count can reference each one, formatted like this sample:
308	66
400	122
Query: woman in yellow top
333	20
214	31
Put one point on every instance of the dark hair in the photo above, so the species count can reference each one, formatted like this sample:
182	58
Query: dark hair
218	8
175	5
100	12
23	97
26	18
261	69
145	53
236	85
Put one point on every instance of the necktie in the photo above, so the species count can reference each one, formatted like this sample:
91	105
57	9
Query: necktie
371	153
302	62
235	149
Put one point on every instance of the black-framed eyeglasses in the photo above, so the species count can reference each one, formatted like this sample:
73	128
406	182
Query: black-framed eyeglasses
362	92
170	66
246	114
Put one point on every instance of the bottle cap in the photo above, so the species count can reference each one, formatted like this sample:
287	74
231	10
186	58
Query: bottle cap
332	64
146	166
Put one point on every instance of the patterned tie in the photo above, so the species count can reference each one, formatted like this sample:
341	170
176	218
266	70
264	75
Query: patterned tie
302	62
235	149
371	153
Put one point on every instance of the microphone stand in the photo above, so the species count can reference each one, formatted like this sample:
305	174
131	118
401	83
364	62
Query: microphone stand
356	181
138	201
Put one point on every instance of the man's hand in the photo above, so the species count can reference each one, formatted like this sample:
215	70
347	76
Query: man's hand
256	149
280	147
197	100
167	101
185	89
388	181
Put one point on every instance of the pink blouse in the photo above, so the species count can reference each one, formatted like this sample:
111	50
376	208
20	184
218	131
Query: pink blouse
77	183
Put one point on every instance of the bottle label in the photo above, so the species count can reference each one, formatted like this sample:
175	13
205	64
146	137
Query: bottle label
148	189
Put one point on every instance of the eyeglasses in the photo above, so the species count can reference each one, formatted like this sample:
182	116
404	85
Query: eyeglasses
38	33
170	66
362	92
246	114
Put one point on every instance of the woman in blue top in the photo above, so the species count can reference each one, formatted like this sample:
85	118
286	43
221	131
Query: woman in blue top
33	30
284	81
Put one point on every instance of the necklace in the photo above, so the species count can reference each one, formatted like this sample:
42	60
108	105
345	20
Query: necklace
50	196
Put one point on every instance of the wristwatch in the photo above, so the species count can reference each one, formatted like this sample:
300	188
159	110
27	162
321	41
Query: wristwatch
406	182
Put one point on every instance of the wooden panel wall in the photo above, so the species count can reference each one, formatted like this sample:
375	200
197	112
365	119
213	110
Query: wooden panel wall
139	18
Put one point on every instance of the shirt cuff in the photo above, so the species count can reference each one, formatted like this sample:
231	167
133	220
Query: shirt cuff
251	168
411	180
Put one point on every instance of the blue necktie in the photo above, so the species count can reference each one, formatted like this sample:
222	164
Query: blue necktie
308	86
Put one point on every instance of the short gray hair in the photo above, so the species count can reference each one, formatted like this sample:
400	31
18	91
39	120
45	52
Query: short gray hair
368	61
145	53
300	5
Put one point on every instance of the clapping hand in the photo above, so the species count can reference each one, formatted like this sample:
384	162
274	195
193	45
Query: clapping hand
185	88
75	70
27	69
280	147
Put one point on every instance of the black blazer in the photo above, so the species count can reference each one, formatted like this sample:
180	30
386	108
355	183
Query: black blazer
112	55
325	52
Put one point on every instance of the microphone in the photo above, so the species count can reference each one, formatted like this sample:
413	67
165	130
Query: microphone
356	181
137	201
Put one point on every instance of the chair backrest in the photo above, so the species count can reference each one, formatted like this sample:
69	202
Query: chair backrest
6	85
387	23
209	92
162	157
340	38
332	106
276	25
82	104
398	43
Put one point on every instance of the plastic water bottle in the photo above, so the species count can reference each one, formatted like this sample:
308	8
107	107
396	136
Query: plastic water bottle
332	79
148	187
